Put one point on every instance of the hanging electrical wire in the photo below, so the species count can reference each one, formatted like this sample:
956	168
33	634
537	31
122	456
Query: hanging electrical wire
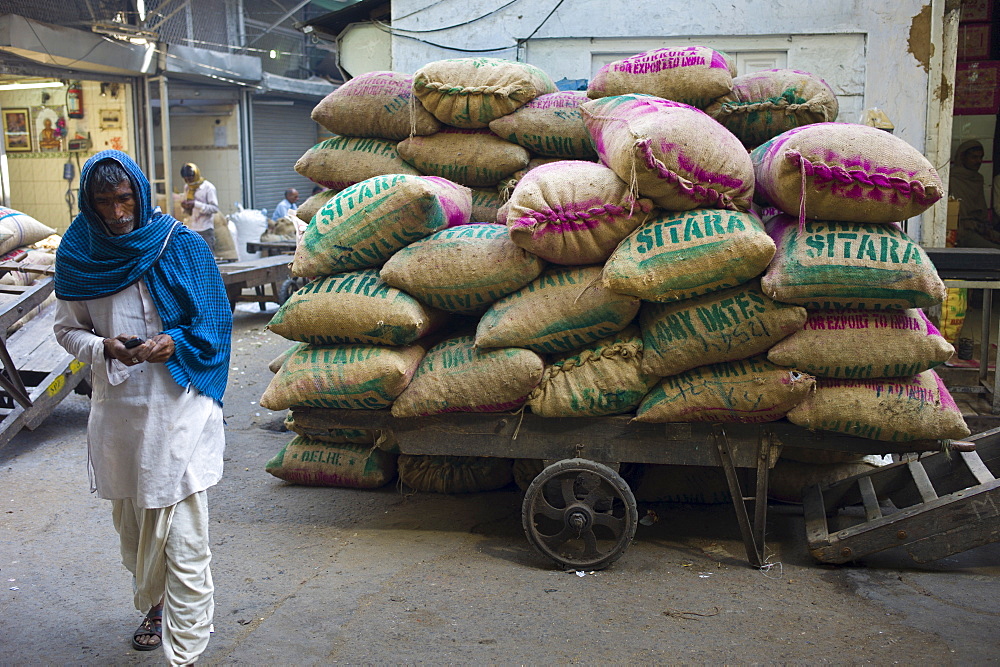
457	25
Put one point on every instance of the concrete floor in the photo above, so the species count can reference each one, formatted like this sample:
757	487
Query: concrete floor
321	576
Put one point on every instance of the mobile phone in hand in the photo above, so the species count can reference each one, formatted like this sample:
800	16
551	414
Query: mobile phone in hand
133	342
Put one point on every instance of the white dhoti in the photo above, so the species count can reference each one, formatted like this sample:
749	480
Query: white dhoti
167	551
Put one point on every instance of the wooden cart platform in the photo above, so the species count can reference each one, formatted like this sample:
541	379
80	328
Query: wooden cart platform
578	510
37	372
266	276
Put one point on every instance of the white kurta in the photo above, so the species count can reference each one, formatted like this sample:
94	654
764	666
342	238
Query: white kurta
148	438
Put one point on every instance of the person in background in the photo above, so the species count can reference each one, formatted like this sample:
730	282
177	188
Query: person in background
140	299
286	205
317	189
966	183
201	202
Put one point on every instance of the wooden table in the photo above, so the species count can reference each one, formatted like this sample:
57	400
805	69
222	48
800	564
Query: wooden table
269	248
257	274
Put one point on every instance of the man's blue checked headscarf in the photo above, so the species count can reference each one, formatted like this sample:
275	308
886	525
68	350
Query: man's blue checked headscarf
177	266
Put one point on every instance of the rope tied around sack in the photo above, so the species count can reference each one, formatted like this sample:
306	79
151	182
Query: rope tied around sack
781	104
620	349
449	89
562	215
705	195
822	173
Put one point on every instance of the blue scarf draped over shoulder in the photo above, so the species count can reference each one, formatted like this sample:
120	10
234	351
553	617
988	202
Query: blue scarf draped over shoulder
177	266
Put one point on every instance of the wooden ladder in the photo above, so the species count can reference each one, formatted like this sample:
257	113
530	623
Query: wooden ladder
934	506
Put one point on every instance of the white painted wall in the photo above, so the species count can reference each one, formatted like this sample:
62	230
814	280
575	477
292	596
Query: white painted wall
862	48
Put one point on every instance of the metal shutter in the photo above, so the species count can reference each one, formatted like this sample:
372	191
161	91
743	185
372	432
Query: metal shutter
281	133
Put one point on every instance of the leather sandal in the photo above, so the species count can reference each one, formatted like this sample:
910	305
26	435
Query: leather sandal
151	626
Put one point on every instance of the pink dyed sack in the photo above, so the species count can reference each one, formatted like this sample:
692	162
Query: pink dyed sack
847	172
893	410
573	212
694	75
762	105
864	344
670	152
456	376
375	104
549	125
476	158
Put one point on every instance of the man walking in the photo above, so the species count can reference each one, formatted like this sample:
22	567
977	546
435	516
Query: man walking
141	300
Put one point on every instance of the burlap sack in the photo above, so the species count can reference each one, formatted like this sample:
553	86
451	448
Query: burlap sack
471	92
454	474
848	265
573	212
277	362
670	152
684	255
764	104
507	185
748	391
731	324
332	434
455	376
20	229
549	125
894	410
462	269
375	104
225	243
694	75
357	377
844	171
563	309
363	225
695	485
601	379
525	471
485	204
313	463
864	344
311	206
340	162
355	307
476	158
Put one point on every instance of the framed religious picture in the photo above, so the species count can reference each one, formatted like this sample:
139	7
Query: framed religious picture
16	131
49	128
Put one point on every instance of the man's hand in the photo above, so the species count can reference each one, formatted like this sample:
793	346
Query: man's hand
187	205
157	349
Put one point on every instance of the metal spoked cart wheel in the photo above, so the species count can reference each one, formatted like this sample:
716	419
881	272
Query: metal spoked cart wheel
580	514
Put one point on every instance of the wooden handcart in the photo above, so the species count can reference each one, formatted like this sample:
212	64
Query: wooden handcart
579	511
37	372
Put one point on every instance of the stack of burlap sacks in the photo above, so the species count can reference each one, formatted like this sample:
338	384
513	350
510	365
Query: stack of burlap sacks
490	244
31	243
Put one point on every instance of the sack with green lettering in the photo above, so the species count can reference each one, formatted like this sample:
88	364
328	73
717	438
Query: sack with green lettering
354	307
485	204
339	162
313	463
462	269
375	104
890	409
864	344
672	153
747	391
311	206
549	125
694	75
471	92
731	324
844	171
825	265
684	255
563	309
764	104
456	376
476	158
506	186
603	378
363	225
454	474
279	360
695	485
573	212
333	434
357	377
